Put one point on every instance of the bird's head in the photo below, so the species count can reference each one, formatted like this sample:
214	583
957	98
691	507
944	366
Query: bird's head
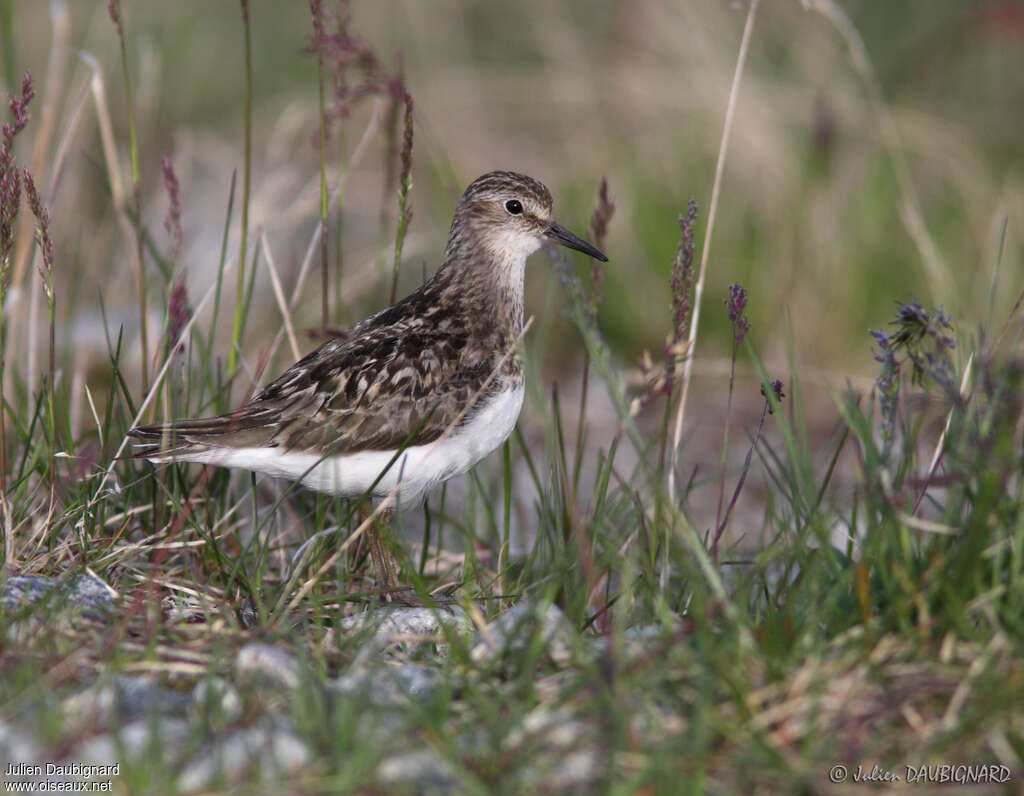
509	214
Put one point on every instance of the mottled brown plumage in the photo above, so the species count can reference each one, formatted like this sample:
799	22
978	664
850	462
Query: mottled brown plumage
408	373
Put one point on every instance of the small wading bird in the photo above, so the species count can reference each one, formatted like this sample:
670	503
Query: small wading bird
411	396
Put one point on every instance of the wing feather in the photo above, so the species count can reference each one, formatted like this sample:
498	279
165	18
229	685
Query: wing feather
396	375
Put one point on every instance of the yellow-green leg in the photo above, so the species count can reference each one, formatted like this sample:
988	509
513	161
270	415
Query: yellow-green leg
385	567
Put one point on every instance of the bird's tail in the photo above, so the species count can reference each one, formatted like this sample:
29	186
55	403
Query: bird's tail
182	439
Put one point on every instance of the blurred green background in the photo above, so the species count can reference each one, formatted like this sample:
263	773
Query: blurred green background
833	206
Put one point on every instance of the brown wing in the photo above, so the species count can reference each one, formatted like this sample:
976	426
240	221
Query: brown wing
370	392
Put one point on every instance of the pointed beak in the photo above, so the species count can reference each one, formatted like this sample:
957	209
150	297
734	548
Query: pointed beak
560	234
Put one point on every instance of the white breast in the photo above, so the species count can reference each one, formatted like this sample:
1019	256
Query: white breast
419	468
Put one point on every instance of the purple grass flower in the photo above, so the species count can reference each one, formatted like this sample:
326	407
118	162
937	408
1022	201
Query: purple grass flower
42	231
736	304
597	231
172	221
179	313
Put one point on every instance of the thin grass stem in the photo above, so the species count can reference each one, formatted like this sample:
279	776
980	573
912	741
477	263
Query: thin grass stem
723	149
236	326
133	145
318	26
506	465
220	276
404	185
282	303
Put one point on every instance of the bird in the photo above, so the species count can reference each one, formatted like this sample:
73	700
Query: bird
412	395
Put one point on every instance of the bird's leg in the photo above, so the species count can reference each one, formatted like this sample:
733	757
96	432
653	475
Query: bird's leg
385	568
388	562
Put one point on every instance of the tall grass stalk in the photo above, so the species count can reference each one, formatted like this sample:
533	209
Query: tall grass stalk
236	326
316	10
506	525
939	282
390	133
45	244
716	186
339	248
773	395
10	202
176	285
404	186
114	8
5	506
736	304
677	346
282	303
311	248
597	350
139	412
40	165
54	86
597	231
219	286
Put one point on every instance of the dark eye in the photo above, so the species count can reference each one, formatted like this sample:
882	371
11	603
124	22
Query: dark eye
514	206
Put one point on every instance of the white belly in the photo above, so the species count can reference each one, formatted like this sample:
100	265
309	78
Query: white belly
416	471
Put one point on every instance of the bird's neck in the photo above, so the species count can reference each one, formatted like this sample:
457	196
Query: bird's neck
486	275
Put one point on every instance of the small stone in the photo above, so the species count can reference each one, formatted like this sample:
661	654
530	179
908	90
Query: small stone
272	748
513	631
24	590
419	682
120	700
135	739
81	591
573	771
650	632
263	661
16	744
561	760
92	596
424	770
390	687
215	697
559	729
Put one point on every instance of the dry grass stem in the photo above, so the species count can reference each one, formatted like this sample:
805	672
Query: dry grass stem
282	304
723	147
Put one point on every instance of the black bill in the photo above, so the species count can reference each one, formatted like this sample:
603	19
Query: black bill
559	233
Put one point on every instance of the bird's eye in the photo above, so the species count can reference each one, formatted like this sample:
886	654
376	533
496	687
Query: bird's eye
514	206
